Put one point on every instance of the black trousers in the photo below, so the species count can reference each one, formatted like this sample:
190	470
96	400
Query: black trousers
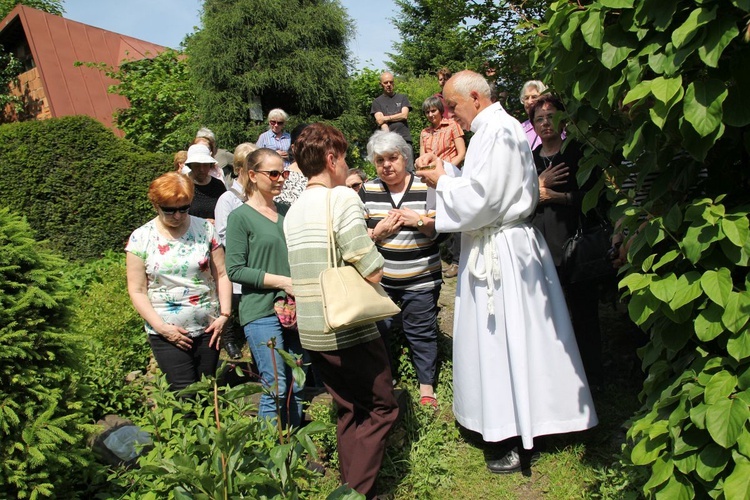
182	368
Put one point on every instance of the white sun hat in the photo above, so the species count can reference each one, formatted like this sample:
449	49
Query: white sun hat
199	153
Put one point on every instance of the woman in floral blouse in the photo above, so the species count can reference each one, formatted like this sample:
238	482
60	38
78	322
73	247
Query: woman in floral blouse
178	284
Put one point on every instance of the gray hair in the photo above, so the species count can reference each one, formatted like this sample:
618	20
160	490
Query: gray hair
381	143
278	114
432	102
537	84
207	133
466	82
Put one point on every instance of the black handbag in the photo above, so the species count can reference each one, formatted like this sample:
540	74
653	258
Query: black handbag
585	254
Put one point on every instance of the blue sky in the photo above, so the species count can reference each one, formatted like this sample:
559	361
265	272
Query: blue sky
166	22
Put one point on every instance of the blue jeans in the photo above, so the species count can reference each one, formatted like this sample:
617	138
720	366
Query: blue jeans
258	333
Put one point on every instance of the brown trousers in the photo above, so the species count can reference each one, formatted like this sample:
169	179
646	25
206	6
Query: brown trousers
360	382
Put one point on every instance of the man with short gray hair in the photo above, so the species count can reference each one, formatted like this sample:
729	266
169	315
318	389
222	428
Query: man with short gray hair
516	367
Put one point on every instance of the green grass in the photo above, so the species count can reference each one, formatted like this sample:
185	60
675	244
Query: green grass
429	457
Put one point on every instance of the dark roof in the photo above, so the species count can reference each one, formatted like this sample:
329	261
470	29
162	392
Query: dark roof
57	43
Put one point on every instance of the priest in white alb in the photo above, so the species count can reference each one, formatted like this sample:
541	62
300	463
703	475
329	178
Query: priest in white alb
517	373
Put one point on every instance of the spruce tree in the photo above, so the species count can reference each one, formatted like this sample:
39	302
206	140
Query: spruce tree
287	53
42	411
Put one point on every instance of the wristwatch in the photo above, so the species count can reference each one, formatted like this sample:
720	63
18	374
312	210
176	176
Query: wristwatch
420	222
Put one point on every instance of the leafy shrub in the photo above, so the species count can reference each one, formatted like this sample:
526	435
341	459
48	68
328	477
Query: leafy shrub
205	446
662	85
42	404
78	185
116	341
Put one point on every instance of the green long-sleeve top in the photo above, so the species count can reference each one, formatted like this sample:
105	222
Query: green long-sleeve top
255	245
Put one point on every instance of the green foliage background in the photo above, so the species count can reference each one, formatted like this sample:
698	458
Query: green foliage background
78	185
662	84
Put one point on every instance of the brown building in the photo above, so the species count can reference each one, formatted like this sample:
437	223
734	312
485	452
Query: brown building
48	47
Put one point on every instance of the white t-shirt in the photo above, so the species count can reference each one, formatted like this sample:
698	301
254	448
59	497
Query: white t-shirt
180	285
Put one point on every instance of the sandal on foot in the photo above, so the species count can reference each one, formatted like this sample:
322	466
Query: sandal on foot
428	401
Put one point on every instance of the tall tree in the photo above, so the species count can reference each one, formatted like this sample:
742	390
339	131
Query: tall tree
433	35
52	6
286	53
491	37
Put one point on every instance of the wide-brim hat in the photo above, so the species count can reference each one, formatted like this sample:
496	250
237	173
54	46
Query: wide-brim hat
199	153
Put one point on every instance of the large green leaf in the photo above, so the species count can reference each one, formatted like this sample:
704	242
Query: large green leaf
677	488
737	484
738	345
717	285
664	89
647	450
688	289
720	386
661	471
708	324
642	306
655	14
736	311
711	461
616	46
743	444
726	419
666	259
665	287
617	4
592	28
702	105
720	34
689	28
566	36
737	229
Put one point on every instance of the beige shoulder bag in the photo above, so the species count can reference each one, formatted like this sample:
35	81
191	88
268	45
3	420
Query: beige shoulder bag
348	299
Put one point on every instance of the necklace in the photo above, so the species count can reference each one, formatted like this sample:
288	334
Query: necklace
548	160
316	184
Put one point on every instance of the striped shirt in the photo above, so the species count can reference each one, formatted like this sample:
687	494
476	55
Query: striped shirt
305	226
412	259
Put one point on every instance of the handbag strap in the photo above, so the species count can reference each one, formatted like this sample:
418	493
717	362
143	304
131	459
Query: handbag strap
332	261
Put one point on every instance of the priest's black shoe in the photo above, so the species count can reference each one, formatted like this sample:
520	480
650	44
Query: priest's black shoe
513	461
233	351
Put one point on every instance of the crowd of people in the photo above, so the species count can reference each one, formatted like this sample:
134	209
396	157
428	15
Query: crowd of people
238	242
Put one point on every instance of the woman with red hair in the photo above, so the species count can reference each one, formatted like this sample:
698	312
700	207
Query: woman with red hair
178	284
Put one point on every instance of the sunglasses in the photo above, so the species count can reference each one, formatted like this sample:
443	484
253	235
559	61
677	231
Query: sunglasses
274	122
173	210
274	174
356	185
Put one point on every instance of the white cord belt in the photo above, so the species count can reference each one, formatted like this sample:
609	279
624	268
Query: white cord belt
484	239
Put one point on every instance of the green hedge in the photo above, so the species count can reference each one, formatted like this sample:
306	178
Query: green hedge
79	186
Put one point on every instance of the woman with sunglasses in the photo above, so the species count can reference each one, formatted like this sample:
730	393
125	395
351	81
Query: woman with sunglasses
178	284
257	259
275	138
